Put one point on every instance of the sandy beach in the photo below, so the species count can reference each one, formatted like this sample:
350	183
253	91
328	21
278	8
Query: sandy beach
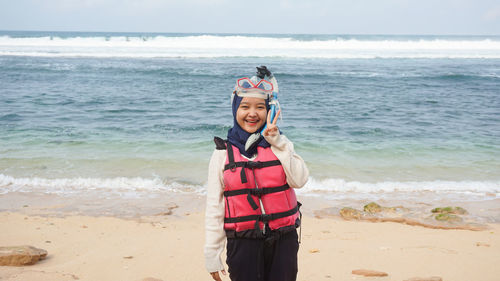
170	247
106	137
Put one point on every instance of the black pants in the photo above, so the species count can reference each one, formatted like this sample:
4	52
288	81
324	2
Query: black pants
273	258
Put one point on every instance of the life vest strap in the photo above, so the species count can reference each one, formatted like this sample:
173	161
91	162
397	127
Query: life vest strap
230	153
232	165
264	217
256	191
251	164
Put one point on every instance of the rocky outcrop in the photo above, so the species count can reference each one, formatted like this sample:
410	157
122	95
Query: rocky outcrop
448	218
372	208
21	255
450	210
350	214
369	273
449	214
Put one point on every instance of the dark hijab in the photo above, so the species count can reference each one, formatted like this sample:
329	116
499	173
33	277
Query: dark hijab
238	137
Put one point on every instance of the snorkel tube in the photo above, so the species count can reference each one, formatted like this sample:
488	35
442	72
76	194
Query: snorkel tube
262	72
273	99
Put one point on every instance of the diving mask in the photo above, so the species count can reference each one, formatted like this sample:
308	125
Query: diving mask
245	87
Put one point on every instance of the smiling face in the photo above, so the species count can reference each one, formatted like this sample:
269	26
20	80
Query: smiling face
251	114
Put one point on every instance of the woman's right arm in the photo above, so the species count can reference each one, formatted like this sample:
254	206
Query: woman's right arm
215	237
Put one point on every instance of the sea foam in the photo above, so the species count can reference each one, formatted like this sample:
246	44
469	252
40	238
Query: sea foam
69	186
331	185
139	185
213	46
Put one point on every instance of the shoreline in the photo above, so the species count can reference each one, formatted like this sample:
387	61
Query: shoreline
170	247
413	205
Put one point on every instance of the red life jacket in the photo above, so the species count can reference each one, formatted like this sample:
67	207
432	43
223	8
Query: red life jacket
246	181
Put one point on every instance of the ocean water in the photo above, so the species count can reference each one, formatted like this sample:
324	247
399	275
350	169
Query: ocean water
135	114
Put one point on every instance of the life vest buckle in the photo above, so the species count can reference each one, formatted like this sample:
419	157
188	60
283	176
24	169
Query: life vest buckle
232	167
256	191
265	217
254	164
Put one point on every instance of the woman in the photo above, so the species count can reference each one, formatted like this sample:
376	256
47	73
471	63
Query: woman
250	198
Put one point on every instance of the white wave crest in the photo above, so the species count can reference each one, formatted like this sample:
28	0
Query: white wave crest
245	46
77	185
343	186
138	185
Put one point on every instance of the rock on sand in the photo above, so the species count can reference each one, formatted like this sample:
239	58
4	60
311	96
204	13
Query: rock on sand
21	255
369	273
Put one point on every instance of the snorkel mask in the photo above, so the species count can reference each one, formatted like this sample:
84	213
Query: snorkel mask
245	87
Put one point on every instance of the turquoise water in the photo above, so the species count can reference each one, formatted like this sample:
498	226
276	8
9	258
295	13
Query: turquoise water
139	111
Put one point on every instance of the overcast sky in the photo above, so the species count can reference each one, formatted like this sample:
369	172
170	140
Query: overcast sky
481	17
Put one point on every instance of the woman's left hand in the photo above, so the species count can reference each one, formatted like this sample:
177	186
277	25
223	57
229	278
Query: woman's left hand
271	128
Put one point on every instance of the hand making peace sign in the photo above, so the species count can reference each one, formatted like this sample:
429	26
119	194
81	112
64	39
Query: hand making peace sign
271	128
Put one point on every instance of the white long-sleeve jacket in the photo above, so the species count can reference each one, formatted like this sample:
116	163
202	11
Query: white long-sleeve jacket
215	236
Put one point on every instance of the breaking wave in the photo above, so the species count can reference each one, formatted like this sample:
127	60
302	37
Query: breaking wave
138	186
215	46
